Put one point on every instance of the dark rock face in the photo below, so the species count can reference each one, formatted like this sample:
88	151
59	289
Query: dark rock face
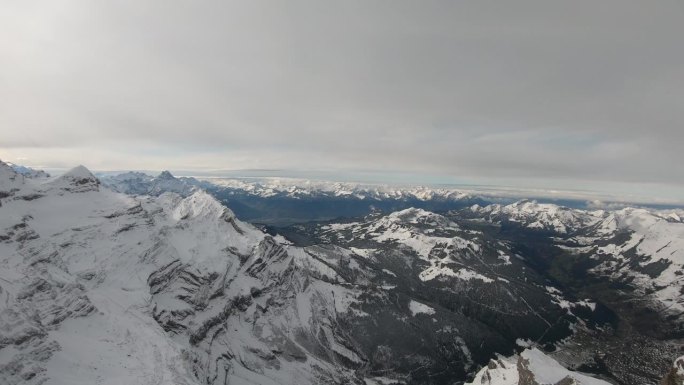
525	375
166	175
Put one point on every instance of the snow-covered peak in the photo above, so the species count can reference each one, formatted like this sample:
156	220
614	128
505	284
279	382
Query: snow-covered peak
130	175
166	175
542	216
200	204
412	214
638	219
532	366
79	172
9	179
78	179
138	183
654	245
102	286
432	237
28	171
674	217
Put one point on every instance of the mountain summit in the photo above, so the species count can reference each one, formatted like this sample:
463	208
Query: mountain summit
165	175
78	179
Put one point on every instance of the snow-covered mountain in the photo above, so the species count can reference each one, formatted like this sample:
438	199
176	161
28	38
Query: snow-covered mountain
28	171
642	247
138	183
298	188
141	183
101	287
289	200
531	367
431	237
549	217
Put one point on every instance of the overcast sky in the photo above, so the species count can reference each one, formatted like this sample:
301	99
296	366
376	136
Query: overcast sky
581	92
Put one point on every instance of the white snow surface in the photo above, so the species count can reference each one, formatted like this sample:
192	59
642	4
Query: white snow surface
546	370
540	215
420	308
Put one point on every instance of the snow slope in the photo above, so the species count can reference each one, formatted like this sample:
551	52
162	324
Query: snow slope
531	367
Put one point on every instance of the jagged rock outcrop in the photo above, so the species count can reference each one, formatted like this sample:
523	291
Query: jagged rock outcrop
531	367
138	183
78	180
676	374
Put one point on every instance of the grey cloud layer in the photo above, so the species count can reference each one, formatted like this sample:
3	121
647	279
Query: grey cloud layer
581	90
